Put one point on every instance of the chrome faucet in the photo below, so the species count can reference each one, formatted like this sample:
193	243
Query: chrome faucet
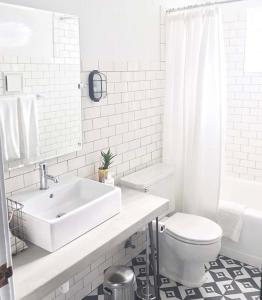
44	176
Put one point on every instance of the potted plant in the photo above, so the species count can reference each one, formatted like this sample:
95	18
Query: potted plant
107	160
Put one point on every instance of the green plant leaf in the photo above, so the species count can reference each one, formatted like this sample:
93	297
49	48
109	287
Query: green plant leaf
107	158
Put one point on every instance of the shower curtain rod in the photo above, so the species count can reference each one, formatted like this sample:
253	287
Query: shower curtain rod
171	10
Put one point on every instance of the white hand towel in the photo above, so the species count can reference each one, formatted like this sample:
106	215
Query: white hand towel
230	218
9	128
29	131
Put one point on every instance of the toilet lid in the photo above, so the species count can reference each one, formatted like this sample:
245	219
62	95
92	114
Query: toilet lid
193	229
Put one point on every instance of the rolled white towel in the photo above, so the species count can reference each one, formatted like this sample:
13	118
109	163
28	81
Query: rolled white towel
230	218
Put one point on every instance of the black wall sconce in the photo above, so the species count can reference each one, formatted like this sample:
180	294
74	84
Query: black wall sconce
97	82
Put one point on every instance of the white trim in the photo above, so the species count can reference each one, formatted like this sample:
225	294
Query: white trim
6	293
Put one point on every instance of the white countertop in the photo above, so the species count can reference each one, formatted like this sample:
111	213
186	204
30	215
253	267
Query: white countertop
37	272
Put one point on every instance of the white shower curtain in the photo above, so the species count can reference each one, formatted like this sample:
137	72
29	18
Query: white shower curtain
192	138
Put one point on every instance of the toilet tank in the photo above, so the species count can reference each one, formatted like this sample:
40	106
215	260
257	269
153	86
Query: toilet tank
157	180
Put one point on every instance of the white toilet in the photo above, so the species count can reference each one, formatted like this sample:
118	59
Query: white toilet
189	241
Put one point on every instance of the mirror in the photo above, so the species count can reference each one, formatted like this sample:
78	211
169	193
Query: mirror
40	75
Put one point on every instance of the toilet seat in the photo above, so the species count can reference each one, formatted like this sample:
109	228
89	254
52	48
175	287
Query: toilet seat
192	229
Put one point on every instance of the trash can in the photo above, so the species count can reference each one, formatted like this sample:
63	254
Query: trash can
119	283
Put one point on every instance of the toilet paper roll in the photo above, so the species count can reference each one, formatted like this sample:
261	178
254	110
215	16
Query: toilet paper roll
161	226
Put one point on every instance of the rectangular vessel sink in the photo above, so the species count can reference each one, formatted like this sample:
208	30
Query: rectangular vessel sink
57	216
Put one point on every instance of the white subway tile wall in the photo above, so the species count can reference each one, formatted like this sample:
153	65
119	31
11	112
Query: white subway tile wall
88	279
244	116
128	120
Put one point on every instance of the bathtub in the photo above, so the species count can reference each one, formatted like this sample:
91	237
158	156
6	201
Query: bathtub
249	247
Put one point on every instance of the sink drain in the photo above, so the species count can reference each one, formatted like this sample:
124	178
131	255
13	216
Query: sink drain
60	215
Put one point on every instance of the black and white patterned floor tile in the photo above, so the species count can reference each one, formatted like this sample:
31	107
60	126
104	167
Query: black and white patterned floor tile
227	279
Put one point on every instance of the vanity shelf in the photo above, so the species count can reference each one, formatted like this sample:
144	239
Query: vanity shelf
37	272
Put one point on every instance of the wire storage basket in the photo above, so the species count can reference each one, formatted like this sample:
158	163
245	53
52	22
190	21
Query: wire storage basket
17	236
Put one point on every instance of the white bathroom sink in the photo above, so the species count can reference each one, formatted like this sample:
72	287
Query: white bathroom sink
55	217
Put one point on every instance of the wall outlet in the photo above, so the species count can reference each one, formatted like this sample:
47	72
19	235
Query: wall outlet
13	83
